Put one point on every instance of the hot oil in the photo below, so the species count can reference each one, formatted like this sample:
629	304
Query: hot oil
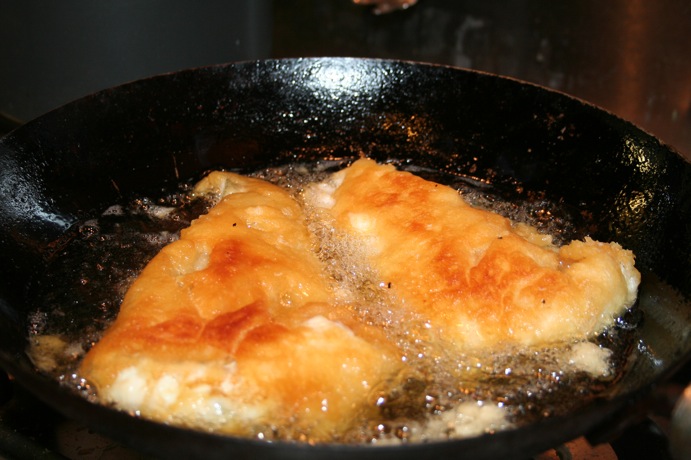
444	396
89	272
455	396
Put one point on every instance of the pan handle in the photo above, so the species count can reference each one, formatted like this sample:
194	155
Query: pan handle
680	428
386	6
668	402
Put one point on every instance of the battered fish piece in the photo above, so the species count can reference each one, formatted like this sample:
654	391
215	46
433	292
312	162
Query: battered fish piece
471	277
232	328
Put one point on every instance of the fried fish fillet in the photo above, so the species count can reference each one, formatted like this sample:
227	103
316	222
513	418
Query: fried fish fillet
472	277
238	327
232	328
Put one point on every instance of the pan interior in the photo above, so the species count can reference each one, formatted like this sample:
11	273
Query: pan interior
80	292
139	141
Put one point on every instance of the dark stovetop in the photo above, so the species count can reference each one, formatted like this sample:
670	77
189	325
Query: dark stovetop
629	57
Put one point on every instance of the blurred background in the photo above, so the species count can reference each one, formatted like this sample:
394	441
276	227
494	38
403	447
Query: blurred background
628	56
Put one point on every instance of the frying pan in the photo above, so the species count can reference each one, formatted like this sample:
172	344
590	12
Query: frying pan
147	136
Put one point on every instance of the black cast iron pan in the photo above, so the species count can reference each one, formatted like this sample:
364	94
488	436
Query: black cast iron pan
140	138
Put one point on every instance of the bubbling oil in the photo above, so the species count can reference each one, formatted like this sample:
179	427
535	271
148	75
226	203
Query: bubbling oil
446	395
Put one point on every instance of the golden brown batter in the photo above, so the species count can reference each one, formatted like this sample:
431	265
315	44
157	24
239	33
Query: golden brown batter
232	329
237	328
477	279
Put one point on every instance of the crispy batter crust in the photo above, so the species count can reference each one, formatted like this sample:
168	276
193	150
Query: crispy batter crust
475	278
232	328
235	327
